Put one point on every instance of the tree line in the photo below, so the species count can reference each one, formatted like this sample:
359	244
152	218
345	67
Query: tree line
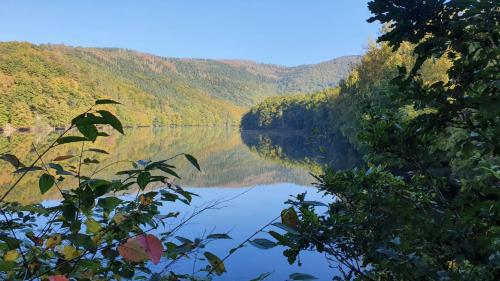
423	106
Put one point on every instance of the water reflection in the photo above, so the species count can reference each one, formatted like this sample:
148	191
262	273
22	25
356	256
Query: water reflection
274	166
295	149
225	160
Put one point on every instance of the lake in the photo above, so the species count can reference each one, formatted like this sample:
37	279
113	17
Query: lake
254	173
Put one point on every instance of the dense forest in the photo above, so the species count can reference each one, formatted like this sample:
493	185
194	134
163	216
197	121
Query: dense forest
342	108
46	85
423	107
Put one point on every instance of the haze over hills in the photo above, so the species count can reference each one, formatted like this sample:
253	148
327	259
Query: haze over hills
49	84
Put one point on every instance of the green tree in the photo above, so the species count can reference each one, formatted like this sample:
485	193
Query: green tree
427	207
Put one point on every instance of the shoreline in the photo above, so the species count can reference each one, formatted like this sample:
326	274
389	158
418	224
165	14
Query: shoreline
7	131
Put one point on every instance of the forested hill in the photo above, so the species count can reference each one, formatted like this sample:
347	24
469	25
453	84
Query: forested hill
44	85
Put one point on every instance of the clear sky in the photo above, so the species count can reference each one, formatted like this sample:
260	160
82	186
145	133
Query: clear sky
288	32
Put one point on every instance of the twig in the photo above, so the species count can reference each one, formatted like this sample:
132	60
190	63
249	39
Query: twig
244	242
52	145
9	225
44	166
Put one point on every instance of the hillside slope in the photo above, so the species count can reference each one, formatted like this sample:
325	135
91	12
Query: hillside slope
48	84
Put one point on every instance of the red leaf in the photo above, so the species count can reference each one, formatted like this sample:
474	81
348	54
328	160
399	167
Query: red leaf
152	245
58	278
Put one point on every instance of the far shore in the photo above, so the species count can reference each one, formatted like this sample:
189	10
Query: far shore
9	130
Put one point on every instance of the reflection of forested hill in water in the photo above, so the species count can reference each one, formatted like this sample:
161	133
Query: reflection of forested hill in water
295	149
225	160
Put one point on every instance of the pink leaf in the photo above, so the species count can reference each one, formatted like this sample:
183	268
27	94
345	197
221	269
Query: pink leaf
133	251
152	245
142	248
58	278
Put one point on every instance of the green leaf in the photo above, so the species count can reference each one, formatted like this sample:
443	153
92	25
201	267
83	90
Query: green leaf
88	119
313	203
169	171
89	131
70	139
82	240
109	203
97	150
45	183
143	179
90	161
12	243
218	236
106	101
302	276
215	262
12	159
63	157
69	211
28	169
167	196
262	243
280	238
7	265
262	276
286	228
169	215
110	119
184	240
193	161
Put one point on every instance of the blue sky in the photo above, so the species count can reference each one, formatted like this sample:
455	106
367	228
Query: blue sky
288	32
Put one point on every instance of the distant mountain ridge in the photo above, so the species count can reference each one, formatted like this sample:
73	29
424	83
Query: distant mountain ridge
48	83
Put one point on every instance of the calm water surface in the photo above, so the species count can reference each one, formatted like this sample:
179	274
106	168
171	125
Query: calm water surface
257	171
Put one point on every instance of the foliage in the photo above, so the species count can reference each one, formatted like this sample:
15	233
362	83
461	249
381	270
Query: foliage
98	231
310	78
427	207
56	82
342	109
297	112
21	115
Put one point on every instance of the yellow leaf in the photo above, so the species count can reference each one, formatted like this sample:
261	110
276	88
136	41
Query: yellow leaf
119	218
216	263
34	267
97	238
289	217
11	255
144	200
70	252
53	241
93	226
